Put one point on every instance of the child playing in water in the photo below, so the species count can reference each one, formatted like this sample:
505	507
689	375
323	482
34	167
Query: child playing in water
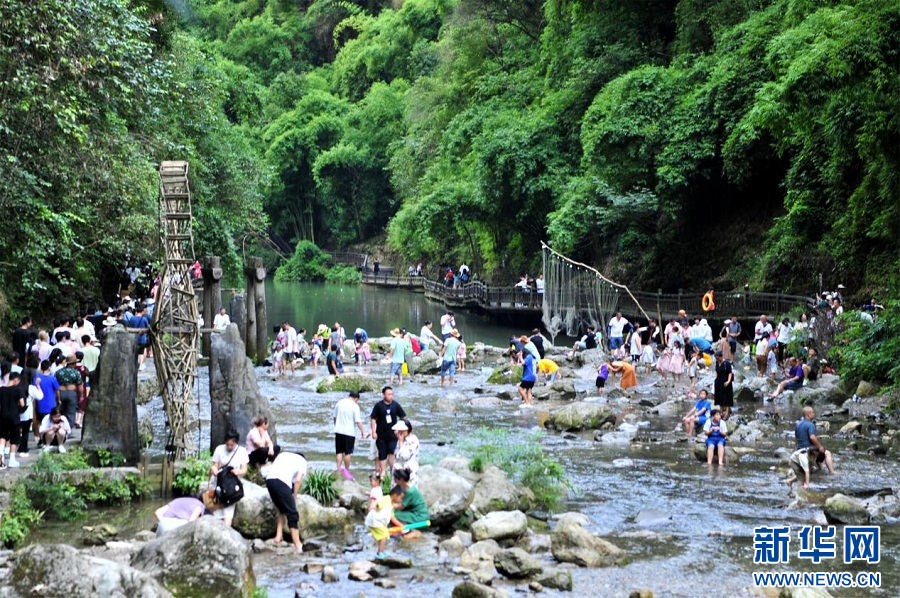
461	355
716	432
692	371
772	360
698	414
602	375
379	517
315	351
376	492
746	355
648	357
278	359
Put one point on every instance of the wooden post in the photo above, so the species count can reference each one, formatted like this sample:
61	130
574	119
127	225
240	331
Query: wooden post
238	309
212	295
256	335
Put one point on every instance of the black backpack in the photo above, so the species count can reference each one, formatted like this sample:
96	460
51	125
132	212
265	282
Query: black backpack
229	488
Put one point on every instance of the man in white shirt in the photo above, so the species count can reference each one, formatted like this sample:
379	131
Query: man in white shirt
539	283
291	345
221	321
615	331
448	323
426	336
283	480
762	326
346	417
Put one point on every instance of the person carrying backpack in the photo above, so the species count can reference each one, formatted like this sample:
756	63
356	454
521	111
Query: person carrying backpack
229	465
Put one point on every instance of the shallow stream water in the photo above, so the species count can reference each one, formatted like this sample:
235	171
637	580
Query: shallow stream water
704	548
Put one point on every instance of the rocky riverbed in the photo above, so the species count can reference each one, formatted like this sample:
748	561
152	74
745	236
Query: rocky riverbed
643	513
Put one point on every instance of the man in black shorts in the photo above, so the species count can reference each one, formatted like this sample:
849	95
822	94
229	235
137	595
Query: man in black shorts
12	398
384	415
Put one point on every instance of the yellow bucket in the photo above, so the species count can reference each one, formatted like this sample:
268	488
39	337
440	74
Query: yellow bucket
405	369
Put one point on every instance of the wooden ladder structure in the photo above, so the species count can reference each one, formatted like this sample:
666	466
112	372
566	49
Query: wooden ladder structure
174	325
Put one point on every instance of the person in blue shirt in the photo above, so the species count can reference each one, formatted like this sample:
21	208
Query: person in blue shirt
698	414
805	433
794	380
716	432
529	377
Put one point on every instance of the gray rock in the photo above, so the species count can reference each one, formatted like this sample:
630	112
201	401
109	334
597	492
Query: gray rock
515	563
367	571
147	389
471	589
500	525
385	583
841	508
60	571
783	454
394	562
426	362
461	467
144	536
447	494
731	455
579	416
255	514
557	579
479	552
348	382
668	408
453	546
485	402
851	427
883	508
113	424
445	405
98	535
495	492
535	587
866	389
313	567
329	575
506	374
316	519
562	390
351	495
571	543
485	573
534	543
203	557
234	394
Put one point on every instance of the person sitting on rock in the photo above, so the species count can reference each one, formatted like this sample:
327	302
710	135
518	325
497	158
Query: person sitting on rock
794	381
698	414
177	513
54	430
812	366
806	436
412	508
259	445
716	432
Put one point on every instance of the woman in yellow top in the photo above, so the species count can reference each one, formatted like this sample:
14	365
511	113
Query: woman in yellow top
548	368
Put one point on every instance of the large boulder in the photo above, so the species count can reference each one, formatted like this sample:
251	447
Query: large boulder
556	579
461	466
506	374
472	589
235	400
426	362
579	416
500	525
203	558
731	456
351	495
60	571
571	543
255	514
866	389
113	424
316	519
447	494
349	382
496	492
841	508
515	563
478	553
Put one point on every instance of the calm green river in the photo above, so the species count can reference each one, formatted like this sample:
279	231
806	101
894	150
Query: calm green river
377	310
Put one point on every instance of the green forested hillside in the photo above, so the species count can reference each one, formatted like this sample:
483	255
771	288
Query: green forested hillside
671	143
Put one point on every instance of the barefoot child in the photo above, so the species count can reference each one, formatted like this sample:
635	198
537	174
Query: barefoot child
602	375
698	414
799	463
378	519
278	360
716	430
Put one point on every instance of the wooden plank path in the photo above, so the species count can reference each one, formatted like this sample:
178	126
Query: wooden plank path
509	299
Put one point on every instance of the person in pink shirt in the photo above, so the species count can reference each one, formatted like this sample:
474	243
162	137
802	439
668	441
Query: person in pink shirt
259	445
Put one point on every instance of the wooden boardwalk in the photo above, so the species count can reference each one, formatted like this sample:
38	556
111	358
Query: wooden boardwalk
513	301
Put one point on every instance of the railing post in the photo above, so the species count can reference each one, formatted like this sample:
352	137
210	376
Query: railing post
680	304
777	303
744	298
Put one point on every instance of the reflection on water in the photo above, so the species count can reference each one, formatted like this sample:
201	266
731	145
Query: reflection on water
377	310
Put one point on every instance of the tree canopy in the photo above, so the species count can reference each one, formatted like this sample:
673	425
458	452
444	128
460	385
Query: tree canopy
671	143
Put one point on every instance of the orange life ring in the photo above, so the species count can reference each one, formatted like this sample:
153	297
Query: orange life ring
708	304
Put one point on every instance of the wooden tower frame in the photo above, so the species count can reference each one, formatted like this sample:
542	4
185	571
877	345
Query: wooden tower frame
174	325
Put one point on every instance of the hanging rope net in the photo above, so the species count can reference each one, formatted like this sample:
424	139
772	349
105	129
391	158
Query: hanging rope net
577	296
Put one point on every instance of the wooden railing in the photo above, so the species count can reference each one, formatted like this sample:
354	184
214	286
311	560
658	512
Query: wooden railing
353	258
386	277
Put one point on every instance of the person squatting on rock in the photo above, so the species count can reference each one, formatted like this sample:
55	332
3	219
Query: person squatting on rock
284	478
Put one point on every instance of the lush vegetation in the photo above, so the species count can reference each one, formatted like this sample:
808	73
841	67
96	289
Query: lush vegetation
868	350
193	473
523	460
674	143
19	518
320	485
52	492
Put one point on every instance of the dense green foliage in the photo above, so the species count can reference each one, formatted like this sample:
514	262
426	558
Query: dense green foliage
193	473
868	350
320	485
522	458
19	518
759	138
307	263
95	93
673	143
51	492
